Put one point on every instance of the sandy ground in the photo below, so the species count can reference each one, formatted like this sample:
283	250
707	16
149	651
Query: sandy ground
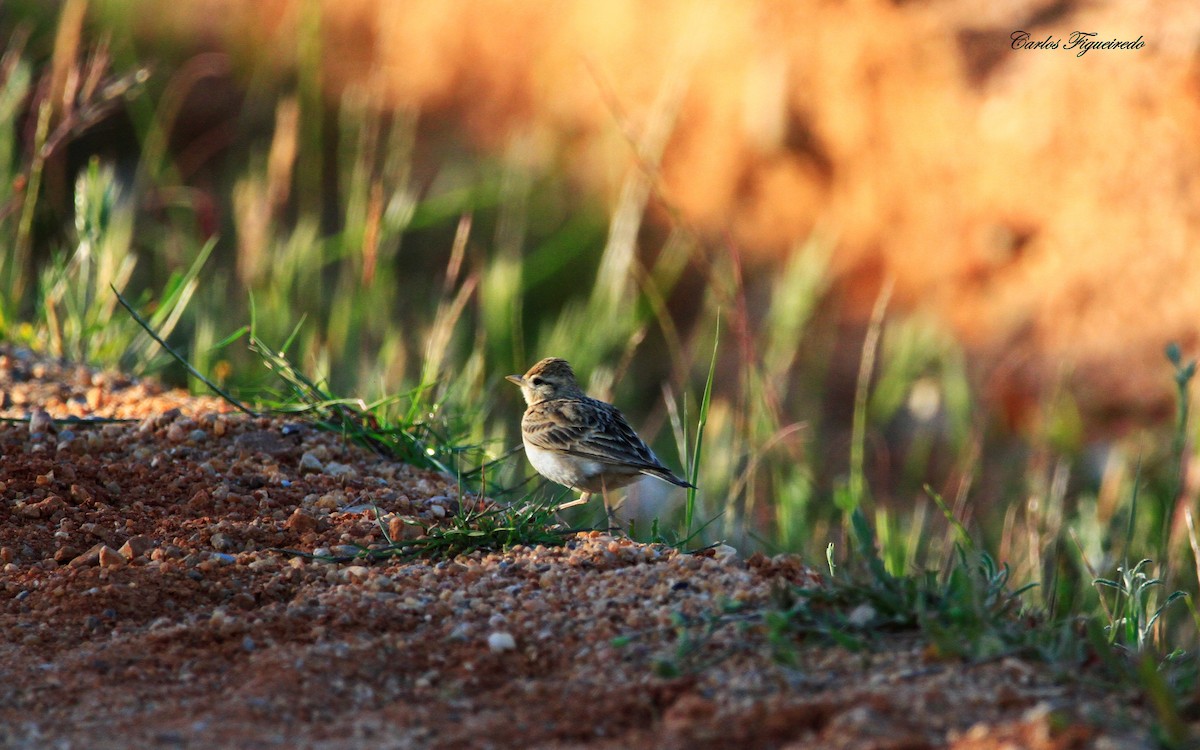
143	604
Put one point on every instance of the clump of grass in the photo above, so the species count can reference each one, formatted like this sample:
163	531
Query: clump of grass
478	526
496	529
1133	614
80	292
968	610
55	282
401	427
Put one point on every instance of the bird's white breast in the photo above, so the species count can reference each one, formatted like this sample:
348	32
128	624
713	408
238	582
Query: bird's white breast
569	471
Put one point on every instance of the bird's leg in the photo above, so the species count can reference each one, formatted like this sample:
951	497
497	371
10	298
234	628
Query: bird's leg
583	498
610	513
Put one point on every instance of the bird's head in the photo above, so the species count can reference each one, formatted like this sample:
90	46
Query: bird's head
549	379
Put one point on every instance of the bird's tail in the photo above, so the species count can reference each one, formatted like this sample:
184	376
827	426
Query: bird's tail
667	476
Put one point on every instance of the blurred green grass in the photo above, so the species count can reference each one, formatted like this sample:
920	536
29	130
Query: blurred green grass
437	287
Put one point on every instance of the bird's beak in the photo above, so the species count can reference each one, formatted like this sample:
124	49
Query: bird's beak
520	381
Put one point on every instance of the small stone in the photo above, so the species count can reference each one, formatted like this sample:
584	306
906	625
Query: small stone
334	469
146	426
222	542
310	464
861	615
65	555
500	641
401	528
110	558
136	546
300	522
242	600
43	508
725	553
687	712
356	573
40	423
169	416
169	552
437	511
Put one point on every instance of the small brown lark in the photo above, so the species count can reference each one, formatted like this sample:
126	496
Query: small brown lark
580	442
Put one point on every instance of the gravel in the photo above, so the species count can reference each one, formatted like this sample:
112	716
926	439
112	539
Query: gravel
144	602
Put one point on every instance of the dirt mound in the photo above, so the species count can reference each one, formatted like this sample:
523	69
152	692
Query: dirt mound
143	605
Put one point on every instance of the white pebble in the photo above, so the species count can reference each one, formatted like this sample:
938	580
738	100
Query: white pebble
334	469
861	615
501	641
725	553
310	463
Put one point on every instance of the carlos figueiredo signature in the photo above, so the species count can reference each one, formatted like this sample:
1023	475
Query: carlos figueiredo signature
1079	41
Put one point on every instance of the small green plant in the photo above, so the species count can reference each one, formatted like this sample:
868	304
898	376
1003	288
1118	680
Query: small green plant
80	291
478	526
660	533
404	427
967	610
1133	614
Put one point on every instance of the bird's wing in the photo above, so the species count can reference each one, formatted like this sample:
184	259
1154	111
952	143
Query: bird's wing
588	429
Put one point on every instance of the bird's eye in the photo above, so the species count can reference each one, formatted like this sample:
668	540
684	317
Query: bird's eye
537	381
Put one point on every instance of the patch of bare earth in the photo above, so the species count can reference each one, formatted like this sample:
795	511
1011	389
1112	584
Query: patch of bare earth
142	605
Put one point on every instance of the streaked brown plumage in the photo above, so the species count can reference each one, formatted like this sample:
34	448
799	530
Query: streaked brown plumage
578	441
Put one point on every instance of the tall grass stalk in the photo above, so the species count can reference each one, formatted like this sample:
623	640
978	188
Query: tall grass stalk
1179	454
693	461
855	489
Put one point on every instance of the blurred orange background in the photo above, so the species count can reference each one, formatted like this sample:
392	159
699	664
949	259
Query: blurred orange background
1045	205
